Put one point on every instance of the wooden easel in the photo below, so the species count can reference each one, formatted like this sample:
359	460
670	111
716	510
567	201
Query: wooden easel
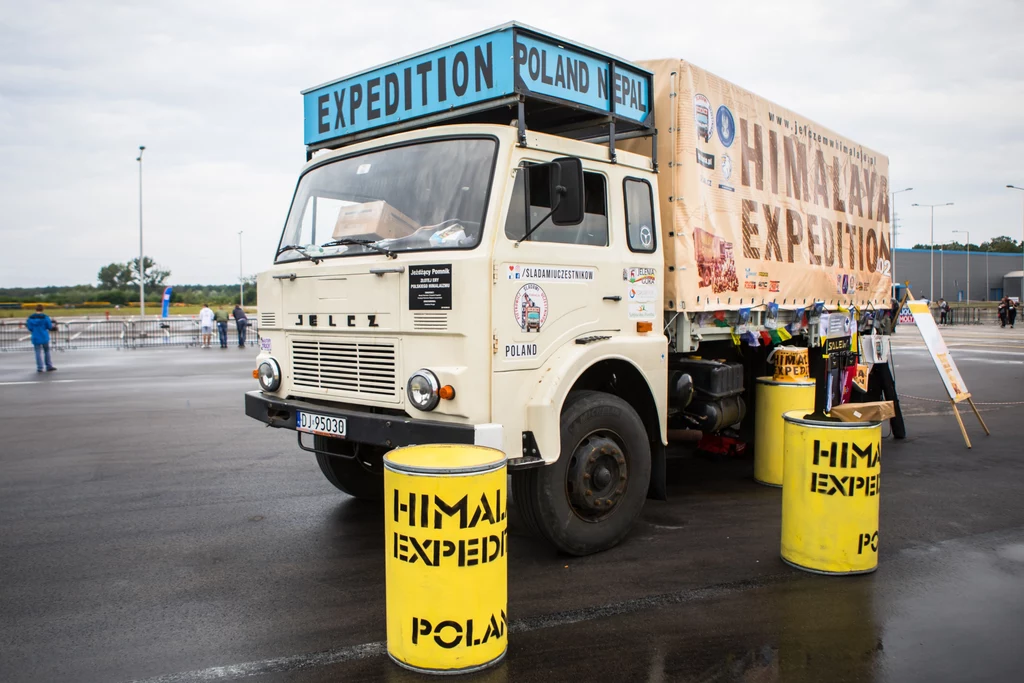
959	420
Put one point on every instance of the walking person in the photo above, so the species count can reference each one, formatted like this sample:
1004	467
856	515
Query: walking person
1004	309
1011	312
206	325
40	324
241	323
221	318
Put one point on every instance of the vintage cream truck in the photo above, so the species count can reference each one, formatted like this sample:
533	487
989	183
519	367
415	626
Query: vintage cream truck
519	242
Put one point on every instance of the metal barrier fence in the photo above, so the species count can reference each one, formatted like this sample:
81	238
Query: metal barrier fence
966	315
121	334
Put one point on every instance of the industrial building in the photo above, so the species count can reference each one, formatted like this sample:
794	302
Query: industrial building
992	275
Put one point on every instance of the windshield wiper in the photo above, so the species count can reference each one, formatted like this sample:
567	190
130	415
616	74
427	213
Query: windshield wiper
299	248
372	244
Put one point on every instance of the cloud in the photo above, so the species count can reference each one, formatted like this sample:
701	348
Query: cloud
212	90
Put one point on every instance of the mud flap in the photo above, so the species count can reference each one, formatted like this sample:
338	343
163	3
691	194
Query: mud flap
657	489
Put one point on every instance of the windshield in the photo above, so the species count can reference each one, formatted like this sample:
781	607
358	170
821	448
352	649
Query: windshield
429	195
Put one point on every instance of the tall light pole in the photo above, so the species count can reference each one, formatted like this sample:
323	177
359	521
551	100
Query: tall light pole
1014	187
968	233
942	272
142	259
892	238
931	271
241	283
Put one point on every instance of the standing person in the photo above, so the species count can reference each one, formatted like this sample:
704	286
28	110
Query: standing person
221	316
241	322
206	325
40	324
1004	305
1011	312
942	311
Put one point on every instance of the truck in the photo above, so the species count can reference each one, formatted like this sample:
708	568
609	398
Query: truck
520	242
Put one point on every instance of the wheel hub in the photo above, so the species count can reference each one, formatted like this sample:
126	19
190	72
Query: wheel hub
597	477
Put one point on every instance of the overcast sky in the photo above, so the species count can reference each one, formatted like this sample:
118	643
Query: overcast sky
211	87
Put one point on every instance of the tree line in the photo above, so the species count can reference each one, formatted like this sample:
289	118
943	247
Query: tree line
118	284
1000	245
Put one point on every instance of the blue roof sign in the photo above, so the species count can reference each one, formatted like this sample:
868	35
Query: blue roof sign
511	60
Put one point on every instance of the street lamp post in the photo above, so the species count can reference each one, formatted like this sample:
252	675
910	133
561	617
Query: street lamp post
241	283
892	239
942	272
142	259
1014	187
931	271
968	233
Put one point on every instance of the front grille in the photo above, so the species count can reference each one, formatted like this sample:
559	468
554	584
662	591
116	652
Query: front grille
268	319
354	367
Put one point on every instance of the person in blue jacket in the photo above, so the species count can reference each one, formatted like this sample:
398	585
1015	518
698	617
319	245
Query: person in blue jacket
39	324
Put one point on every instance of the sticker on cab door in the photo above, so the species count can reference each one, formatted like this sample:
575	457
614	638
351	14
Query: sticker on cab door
642	312
550	273
530	307
265	344
516	351
640	276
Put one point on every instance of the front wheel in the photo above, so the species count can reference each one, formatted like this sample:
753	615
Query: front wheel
589	498
351	467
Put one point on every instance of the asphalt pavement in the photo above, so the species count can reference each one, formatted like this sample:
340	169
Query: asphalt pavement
149	531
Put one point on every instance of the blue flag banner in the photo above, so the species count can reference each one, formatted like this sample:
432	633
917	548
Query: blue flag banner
504	62
167	302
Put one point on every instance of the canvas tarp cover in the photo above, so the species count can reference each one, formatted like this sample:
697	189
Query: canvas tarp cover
759	204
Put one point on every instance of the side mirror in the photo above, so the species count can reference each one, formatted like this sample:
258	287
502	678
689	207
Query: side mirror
566	189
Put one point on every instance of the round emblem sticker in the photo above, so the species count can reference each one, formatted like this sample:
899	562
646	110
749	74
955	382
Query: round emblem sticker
726	125
531	307
702	116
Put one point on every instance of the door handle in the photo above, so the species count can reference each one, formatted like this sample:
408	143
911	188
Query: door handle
379	272
615	297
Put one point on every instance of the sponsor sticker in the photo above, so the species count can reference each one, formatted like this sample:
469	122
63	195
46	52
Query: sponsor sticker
265	344
640	276
750	284
520	350
706	160
727	188
726	126
530	307
549	273
642	293
726	166
773	285
702	117
642	312
763	284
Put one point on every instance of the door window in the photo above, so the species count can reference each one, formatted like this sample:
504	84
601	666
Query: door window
640	232
531	200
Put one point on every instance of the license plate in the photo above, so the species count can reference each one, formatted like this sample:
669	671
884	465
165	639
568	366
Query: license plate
319	424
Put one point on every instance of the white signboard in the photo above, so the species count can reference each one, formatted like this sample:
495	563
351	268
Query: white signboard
955	386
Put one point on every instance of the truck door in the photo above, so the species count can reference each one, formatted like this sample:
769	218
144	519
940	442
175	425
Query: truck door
560	282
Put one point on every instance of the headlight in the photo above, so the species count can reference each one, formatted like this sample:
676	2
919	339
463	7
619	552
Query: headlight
269	375
422	390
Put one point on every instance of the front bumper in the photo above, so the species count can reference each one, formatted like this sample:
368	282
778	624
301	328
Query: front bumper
370	428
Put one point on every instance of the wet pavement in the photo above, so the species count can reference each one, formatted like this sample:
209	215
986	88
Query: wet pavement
150	531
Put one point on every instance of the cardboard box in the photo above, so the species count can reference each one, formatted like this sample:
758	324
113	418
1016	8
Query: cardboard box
373	218
864	412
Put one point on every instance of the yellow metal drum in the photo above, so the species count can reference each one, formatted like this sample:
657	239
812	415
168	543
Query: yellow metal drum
830	494
772	399
446	563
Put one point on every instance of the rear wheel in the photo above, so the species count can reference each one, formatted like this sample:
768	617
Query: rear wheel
356	469
587	501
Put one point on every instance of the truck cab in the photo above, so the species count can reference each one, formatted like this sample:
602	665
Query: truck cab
477	282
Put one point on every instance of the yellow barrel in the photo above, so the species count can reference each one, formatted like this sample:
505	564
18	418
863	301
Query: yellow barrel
773	398
446	562
830	493
791	364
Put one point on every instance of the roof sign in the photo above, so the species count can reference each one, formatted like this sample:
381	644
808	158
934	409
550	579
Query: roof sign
508	60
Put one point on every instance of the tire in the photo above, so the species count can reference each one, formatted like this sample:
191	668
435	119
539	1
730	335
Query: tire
351	474
603	443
